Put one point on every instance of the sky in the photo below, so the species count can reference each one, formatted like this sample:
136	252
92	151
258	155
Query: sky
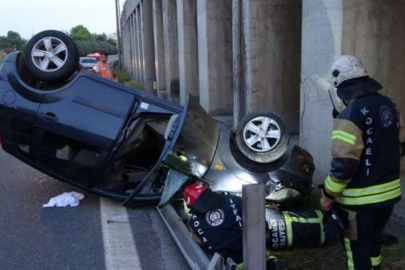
29	17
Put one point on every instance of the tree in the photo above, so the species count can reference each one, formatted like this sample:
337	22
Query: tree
113	42
12	40
100	37
80	33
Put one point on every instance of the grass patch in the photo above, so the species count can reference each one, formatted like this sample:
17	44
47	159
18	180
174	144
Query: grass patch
135	85
333	257
124	78
121	75
393	256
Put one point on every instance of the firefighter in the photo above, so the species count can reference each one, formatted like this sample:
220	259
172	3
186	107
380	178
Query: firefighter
367	141
216	223
103	69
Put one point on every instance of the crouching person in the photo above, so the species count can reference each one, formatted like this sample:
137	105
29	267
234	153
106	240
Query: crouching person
216	224
216	221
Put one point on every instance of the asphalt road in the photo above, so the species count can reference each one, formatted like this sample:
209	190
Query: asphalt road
98	234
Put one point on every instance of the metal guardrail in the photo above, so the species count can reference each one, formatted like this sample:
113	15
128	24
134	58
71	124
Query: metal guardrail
191	251
188	247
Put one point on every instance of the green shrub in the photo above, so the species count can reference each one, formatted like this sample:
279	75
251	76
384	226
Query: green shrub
135	85
124	78
86	47
121	75
2	56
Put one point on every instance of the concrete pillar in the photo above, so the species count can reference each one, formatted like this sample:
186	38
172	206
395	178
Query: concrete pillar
134	49
148	46
160	65
124	38
139	45
364	28
214	20
171	49
238	63
127	30
125	45
272	57
188	48
131	48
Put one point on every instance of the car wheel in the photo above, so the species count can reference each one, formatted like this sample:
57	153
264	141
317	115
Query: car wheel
51	56
262	137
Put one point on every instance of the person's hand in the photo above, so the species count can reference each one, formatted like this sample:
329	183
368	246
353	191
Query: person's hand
326	204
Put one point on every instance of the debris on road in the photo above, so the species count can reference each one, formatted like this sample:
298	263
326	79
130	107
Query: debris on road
65	199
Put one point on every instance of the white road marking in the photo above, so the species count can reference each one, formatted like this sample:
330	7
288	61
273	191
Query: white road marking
119	246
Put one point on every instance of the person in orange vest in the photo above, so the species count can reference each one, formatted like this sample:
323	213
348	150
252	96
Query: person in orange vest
103	69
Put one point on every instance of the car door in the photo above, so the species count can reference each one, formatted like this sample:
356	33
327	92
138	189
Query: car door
18	106
191	141
76	128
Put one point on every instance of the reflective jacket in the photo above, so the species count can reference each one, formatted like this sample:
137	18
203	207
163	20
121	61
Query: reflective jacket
365	165
104	70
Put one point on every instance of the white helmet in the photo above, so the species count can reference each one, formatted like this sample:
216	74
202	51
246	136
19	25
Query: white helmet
345	68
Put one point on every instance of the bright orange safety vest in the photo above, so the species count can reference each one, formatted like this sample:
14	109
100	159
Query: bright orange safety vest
104	71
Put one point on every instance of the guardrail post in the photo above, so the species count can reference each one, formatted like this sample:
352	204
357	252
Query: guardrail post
254	231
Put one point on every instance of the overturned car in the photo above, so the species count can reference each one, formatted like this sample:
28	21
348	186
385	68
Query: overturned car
117	142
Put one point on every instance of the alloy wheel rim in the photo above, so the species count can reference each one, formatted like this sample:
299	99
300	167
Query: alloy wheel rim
262	134
49	54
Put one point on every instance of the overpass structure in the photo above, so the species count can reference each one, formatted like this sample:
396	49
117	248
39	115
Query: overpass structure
238	56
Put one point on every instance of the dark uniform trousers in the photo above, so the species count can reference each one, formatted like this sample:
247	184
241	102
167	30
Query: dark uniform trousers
363	237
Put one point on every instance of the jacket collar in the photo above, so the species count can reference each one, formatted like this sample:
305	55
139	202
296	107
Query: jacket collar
208	201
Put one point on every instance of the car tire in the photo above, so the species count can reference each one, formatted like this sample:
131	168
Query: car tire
51	56
262	137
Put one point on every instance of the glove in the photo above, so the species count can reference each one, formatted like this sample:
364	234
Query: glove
334	222
335	113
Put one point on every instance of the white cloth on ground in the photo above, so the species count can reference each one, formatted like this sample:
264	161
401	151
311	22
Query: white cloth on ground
65	199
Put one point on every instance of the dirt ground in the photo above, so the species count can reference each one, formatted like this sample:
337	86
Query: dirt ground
333	257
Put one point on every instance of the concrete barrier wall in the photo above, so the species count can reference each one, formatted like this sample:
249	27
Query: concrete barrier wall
242	55
193	47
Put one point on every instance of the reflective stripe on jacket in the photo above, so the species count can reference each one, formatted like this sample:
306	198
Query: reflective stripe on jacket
294	229
365	165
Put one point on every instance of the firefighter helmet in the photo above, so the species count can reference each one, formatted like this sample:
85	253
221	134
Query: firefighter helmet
192	192
345	68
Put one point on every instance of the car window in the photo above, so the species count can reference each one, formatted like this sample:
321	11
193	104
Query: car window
23	137
88	61
68	157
